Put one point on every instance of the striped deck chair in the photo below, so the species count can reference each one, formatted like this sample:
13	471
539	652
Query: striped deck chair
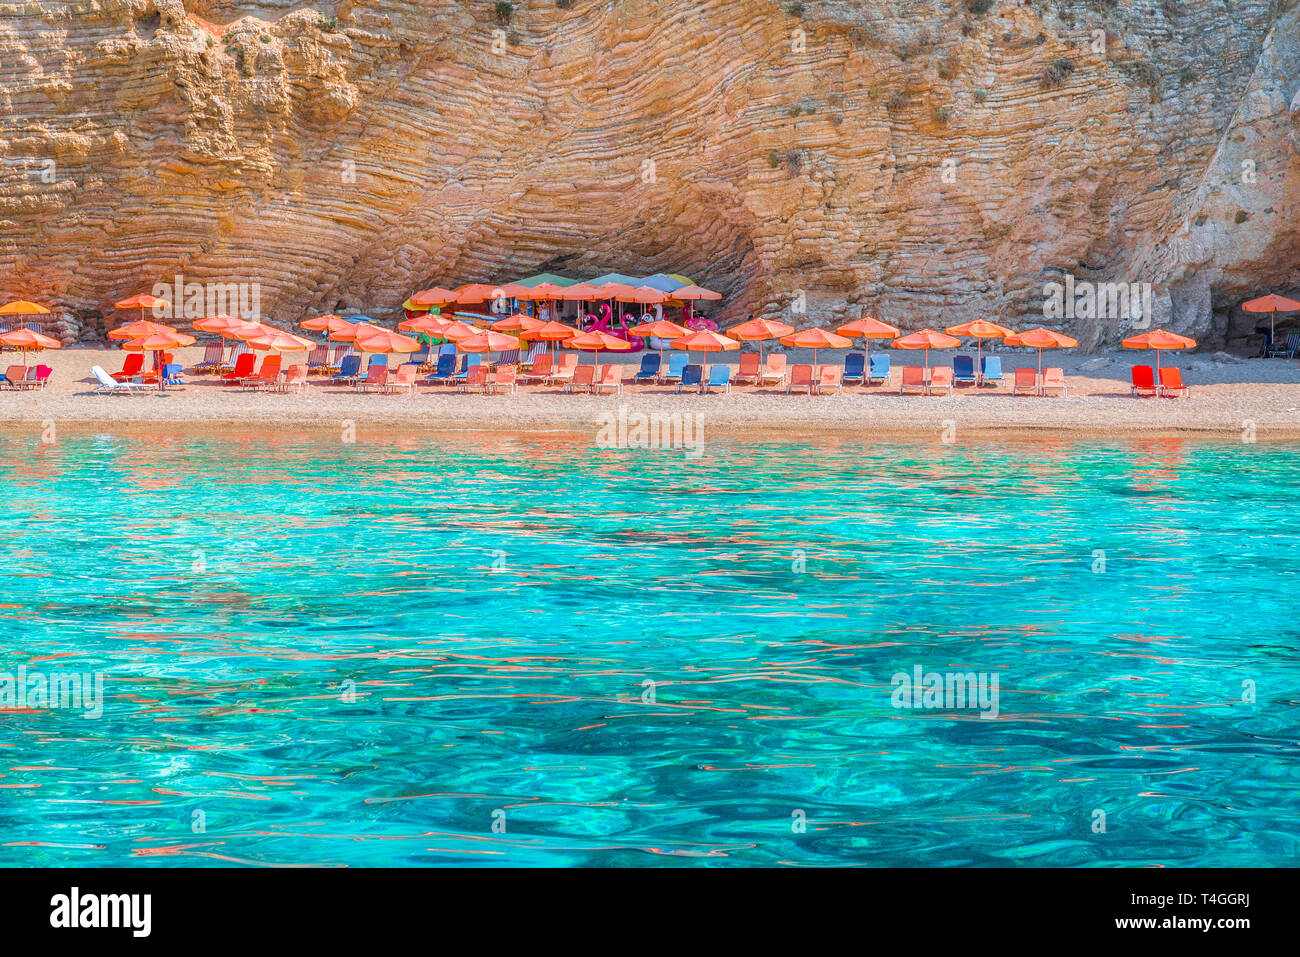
318	358
237	350
538	349
212	353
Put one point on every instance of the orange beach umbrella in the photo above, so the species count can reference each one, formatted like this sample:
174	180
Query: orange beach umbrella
926	339
661	329
866	329
141	327
1159	339
692	293
705	341
759	330
385	341
142	302
436	296
1272	304
979	330
218	324
551	332
329	324
489	342
157	343
277	340
249	330
815	339
428	325
455	330
21	307
516	322
1041	339
596	341
28	339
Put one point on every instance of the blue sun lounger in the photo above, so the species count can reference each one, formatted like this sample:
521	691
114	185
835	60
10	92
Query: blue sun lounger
692	375
991	369
649	368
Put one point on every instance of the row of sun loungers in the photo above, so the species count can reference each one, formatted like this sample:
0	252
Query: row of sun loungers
25	377
469	373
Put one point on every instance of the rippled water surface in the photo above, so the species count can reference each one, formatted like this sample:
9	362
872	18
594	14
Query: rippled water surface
325	654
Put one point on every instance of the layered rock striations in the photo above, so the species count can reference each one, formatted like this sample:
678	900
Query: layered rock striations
925	161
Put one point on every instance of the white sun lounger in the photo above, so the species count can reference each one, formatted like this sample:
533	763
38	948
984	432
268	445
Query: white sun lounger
108	384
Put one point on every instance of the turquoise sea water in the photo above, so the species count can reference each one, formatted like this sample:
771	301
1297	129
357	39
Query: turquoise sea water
344	655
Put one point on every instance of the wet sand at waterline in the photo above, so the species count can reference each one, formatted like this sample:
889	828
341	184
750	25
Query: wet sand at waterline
1225	397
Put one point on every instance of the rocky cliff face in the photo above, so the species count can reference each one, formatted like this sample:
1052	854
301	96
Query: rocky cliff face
925	160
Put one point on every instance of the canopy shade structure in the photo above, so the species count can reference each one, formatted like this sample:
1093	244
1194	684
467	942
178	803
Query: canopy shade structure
614	277
661	281
693	293
544	277
579	292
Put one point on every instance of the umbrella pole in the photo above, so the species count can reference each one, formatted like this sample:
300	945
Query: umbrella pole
1040	370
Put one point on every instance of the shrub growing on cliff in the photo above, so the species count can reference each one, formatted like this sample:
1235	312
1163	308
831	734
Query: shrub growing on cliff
1055	74
328	24
504	10
564	4
1145	73
979	6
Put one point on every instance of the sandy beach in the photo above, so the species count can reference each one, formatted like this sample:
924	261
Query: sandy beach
1227	398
